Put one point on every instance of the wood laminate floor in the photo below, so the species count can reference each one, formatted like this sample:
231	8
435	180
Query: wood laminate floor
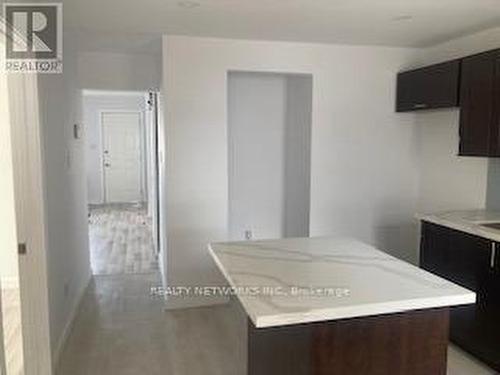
121	240
121	330
12	332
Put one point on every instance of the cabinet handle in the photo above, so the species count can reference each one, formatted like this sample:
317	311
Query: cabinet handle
417	106
493	254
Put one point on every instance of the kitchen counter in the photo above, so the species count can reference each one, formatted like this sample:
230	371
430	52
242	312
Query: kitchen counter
467	221
357	280
337	306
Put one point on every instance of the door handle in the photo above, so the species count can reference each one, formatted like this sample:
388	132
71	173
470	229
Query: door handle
22	249
107	165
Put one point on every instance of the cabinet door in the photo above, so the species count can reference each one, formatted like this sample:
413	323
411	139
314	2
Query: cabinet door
477	104
486	344
495	132
470	268
476	328
467	260
434	250
454	255
434	86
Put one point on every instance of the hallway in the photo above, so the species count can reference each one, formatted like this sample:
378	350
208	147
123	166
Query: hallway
121	240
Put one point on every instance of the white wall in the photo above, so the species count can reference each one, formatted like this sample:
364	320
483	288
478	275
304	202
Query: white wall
114	71
93	104
449	182
268	178
493	185
364	161
66	194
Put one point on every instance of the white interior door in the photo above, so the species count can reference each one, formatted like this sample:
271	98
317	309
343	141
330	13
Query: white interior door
122	156
11	339
24	293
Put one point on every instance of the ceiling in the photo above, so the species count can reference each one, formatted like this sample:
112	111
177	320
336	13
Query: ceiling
409	23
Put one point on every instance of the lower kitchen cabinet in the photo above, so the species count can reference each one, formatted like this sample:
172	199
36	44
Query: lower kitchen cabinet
471	262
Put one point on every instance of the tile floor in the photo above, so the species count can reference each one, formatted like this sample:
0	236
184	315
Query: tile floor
121	240
122	330
461	363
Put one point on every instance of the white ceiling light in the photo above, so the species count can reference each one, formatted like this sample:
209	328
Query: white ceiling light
188	4
404	17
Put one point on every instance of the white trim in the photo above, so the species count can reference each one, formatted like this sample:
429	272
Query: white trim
70	324
101	112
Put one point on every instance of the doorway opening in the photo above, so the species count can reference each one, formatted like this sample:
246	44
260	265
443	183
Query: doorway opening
122	170
269	139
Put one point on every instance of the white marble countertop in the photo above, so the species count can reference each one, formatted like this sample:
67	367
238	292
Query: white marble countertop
350	279
467	221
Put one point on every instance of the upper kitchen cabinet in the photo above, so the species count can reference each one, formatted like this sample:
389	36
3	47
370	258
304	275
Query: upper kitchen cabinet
480	105
435	86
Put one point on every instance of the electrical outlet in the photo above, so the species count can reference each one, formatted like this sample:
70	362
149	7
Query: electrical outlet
248	234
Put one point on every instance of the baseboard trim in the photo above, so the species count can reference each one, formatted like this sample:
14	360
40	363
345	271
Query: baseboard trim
69	324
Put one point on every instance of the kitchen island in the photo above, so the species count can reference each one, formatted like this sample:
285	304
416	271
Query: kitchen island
321	306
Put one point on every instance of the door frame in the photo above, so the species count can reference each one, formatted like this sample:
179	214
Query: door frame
2	92
30	206
155	131
142	150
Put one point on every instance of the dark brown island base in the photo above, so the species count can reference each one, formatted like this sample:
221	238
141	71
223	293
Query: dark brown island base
410	343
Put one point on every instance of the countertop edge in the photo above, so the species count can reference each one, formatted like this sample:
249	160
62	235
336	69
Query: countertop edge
364	311
470	228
